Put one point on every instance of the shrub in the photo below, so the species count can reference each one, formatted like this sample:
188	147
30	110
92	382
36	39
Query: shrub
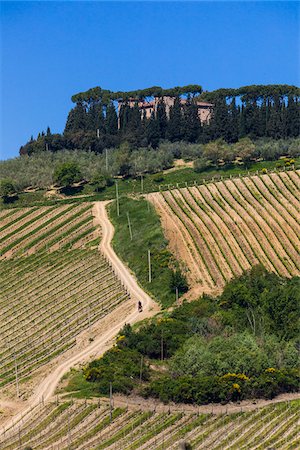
158	178
201	165
179	281
6	189
98	182
67	173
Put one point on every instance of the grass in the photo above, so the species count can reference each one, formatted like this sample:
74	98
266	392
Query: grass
147	235
134	186
78	387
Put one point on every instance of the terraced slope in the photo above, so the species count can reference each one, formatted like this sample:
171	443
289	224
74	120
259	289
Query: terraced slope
87	425
219	230
28	230
48	297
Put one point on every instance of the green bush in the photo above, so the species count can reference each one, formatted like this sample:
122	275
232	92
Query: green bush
121	367
158	178
179	281
67	173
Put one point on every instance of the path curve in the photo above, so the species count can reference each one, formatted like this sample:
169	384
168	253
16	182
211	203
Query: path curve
47	387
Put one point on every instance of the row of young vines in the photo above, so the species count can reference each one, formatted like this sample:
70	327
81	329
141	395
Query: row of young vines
225	228
94	425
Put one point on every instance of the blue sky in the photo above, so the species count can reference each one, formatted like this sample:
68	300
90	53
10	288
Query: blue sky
51	50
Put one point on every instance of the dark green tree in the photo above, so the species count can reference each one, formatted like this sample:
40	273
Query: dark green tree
67	173
175	123
111	119
293	117
77	119
152	131
161	117
191	121
7	189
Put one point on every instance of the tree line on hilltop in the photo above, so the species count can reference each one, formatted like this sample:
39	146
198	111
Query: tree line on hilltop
271	111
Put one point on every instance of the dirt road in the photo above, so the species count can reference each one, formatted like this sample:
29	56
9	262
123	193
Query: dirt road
47	387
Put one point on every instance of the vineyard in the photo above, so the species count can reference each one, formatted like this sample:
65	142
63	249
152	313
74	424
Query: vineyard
55	284
220	230
28	230
92	425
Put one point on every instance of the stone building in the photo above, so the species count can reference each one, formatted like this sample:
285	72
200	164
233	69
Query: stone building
204	108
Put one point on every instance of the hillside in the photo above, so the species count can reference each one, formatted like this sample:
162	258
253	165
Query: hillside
55	284
219	230
86	425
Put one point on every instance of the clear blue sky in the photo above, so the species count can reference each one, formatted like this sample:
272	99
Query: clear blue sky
51	50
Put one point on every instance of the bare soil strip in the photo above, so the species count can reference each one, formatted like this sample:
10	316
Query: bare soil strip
261	229
202	248
242	247
219	229
183	247
210	239
280	225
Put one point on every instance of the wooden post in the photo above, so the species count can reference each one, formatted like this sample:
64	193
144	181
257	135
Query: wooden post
149	266
98	133
142	184
129	226
177	296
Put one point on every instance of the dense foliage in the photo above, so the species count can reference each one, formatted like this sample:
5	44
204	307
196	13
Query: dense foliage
38	169
210	348
252	111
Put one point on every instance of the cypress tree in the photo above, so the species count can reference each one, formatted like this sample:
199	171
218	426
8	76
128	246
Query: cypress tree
242	122
77	119
152	131
192	125
220	124
293	117
233	129
262	118
95	118
175	123
111	120
161	117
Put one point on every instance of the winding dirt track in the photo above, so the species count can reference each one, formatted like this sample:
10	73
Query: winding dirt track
47	387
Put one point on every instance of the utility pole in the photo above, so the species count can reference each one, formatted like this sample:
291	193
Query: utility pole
129	226
142	184
98	133
17	379
177	295
110	401
162	345
149	266
117	198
